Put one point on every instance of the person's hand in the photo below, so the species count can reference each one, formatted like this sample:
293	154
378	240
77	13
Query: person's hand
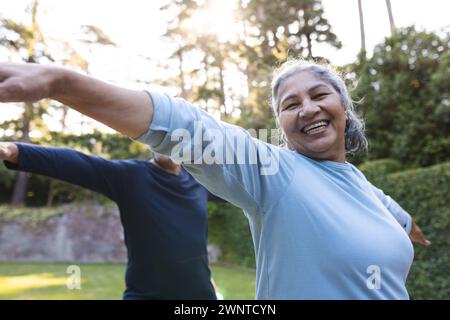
9	152
25	82
416	235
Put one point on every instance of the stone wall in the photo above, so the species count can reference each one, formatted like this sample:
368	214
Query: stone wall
80	234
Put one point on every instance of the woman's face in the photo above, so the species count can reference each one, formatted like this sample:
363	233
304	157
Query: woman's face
312	117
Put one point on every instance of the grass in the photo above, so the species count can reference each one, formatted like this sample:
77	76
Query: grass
37	281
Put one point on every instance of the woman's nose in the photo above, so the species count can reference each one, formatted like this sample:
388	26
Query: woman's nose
309	110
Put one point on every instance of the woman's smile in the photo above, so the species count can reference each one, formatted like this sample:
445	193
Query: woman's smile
313	117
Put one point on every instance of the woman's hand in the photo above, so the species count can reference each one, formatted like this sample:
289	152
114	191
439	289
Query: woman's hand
26	82
416	235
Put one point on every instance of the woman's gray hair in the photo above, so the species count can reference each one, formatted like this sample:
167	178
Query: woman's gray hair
355	139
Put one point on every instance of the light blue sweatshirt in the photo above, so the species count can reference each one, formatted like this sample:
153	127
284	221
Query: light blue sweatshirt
320	229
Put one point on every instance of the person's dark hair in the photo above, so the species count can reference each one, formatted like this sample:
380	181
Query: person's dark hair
355	139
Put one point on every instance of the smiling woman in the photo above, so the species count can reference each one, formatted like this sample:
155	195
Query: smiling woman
319	226
311	103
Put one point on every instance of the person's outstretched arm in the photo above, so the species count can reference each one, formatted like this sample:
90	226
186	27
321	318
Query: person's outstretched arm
127	111
94	173
9	152
157	120
402	217
213	198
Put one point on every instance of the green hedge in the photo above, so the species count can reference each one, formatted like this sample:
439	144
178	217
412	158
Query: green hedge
228	228
375	169
422	192
7	178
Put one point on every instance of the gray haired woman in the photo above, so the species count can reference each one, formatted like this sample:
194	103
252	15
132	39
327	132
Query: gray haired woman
320	229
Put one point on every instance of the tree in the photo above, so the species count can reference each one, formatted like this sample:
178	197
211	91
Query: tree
289	25
391	16
183	38
361	28
29	42
193	36
275	30
269	32
404	87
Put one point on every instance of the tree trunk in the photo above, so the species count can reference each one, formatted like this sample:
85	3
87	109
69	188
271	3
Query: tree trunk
20	190
182	80
222	88
361	28
391	17
246	69
206	83
21	183
309	42
65	114
51	193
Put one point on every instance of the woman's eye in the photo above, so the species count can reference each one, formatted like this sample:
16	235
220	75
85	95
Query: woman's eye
291	106
320	95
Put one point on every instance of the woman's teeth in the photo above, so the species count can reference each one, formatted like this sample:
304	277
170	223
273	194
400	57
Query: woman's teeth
315	127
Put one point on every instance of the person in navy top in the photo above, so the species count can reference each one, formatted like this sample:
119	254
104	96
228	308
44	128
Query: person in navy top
163	211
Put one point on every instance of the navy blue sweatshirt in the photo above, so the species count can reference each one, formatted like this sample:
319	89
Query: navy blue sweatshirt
164	218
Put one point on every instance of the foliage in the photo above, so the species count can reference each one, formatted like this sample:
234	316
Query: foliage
276	30
424	193
404	89
377	169
6	182
228	228
45	191
289	25
30	217
268	32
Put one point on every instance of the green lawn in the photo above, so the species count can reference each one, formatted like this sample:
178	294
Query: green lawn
100	281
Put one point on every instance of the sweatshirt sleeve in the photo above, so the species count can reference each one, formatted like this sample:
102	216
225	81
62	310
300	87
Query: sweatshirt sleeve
94	173
402	217
214	198
224	158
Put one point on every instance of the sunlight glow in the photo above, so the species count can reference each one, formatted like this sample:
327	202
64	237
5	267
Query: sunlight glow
16	284
216	18
142	25
10	111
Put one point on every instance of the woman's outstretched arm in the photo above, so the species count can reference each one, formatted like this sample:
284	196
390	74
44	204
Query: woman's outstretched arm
402	217
127	111
247	166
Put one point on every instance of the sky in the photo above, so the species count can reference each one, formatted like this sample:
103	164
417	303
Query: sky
137	27
343	17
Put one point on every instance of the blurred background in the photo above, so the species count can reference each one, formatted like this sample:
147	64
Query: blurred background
220	54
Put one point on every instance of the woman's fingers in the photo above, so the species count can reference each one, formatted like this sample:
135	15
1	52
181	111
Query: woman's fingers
23	82
416	235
